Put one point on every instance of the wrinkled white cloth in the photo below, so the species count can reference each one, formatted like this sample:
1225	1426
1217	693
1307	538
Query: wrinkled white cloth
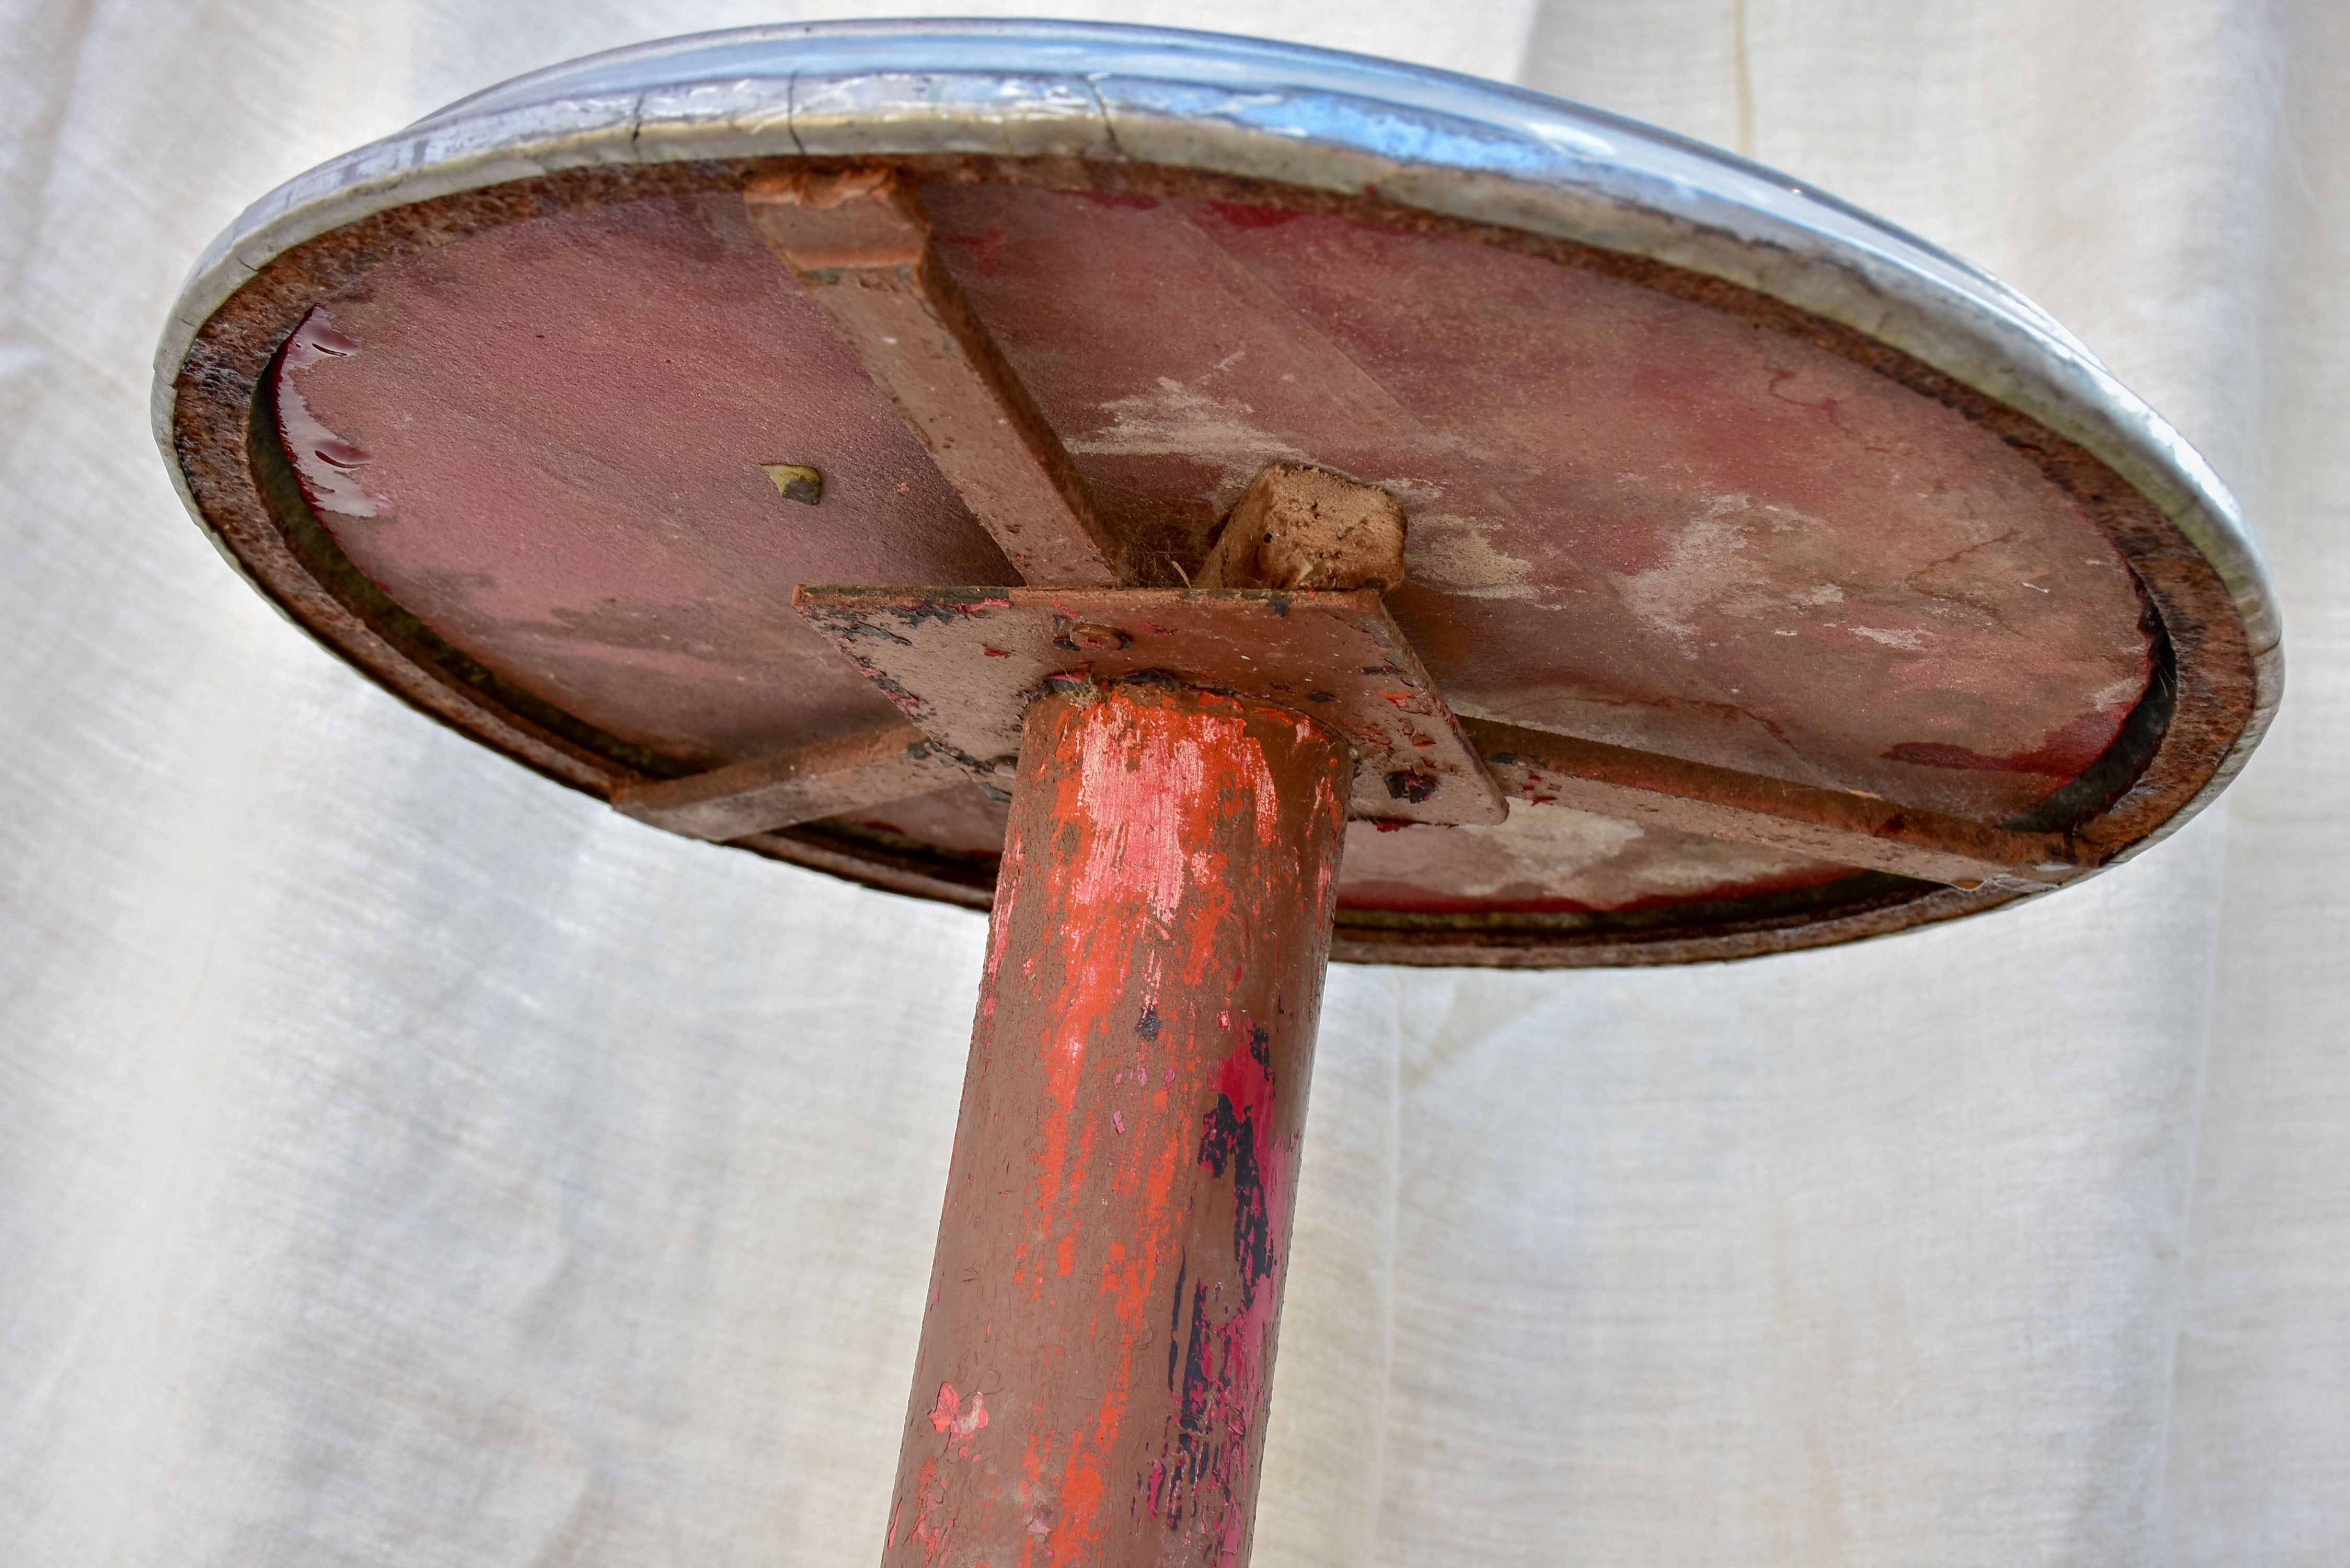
405	1161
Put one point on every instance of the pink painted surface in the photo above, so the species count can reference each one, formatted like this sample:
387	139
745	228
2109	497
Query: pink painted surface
1632	519
558	429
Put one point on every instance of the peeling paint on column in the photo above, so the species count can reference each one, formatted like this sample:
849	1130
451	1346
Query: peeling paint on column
1110	1257
1207	1460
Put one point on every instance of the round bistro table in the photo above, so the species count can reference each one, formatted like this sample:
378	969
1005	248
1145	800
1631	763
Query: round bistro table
1219	506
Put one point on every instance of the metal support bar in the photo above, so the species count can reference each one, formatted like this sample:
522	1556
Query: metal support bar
894	763
859	243
963	664
1840	826
1835	826
854	772
1097	1356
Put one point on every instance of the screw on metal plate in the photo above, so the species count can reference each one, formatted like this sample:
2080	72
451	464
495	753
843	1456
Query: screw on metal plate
797	481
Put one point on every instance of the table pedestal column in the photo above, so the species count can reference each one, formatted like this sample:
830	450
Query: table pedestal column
1097	1355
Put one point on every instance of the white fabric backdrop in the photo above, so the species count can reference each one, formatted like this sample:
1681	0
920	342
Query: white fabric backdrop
405	1162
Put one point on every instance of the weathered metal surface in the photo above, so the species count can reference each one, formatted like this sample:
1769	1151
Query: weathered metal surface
963	664
533	654
1550	859
1297	528
851	774
858	242
1826	828
1834	826
1098	1349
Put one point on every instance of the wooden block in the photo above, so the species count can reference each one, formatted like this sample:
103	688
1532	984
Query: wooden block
1301	527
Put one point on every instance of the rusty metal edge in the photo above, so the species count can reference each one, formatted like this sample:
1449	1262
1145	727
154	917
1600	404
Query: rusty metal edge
405	676
432	691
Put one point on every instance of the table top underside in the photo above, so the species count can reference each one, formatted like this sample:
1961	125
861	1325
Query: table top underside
1633	518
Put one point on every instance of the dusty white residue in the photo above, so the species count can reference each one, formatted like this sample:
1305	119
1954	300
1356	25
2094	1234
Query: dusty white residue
1720	863
1456	554
1182	421
1707	563
1711	569
1562	829
2122	693
1418	495
1533	847
1140	849
1542	841
1906	641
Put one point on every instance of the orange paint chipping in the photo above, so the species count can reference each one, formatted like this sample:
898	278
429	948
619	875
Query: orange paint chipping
1112	1252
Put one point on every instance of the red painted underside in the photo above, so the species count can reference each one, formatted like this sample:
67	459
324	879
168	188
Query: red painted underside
1633	518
